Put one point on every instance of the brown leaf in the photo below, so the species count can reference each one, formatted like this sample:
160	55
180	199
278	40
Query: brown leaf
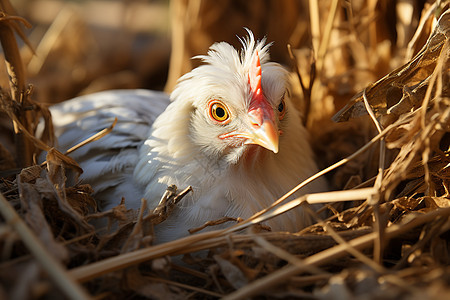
30	174
69	163
56	176
403	89
31	205
407	204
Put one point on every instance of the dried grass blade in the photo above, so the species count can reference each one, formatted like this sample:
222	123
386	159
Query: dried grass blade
306	91
315	23
196	242
95	137
38	143
423	20
324	43
50	39
435	229
17	79
187	287
91	271
375	198
9	9
351	250
64	156
437	71
283	254
325	256
327	197
14	64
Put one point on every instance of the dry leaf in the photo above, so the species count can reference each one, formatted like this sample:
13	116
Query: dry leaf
57	177
403	89
31	204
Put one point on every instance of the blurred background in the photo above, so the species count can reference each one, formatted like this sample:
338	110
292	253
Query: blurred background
87	46
91	45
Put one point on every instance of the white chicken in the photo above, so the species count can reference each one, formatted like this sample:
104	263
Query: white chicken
229	130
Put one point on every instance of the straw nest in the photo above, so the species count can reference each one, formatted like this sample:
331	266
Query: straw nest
387	234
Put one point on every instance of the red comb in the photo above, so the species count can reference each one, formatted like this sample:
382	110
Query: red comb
254	76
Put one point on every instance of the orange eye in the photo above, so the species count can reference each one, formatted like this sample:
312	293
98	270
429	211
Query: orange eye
218	112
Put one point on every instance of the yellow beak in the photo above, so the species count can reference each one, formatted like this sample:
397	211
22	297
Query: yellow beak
265	135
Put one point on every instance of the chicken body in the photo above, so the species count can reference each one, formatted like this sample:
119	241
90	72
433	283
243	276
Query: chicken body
229	130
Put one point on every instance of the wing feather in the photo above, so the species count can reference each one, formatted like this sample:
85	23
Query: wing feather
110	161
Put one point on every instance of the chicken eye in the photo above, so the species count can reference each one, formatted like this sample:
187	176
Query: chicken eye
281	109
219	112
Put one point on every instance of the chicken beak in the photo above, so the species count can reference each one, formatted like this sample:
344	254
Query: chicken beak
266	136
264	131
263	124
